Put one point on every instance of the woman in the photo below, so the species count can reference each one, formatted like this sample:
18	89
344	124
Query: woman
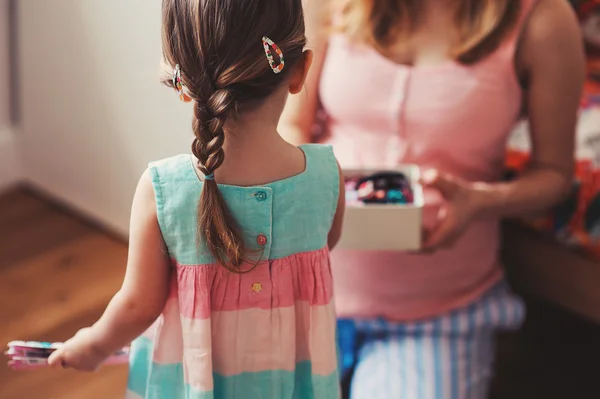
439	84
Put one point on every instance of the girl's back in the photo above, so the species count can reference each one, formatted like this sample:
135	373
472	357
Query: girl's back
228	279
268	333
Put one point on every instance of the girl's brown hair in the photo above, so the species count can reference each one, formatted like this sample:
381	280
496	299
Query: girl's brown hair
218	46
481	24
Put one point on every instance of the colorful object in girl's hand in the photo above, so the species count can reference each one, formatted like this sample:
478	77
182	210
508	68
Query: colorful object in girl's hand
33	355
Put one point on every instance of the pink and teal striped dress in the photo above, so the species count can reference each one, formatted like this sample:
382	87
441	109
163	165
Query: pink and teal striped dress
267	334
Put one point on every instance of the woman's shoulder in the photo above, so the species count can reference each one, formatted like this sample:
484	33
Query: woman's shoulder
551	23
551	34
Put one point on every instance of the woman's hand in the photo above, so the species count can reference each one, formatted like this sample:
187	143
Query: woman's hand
461	208
82	353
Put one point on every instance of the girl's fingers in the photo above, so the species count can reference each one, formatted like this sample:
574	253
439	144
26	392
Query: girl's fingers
56	359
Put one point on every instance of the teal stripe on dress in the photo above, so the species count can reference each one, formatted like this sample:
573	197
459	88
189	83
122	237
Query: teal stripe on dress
139	366
177	189
300	384
142	373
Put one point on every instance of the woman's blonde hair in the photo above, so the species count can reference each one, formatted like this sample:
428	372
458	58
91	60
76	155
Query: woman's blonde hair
481	25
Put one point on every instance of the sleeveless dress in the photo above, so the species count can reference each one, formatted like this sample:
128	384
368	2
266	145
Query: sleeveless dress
267	334
416	326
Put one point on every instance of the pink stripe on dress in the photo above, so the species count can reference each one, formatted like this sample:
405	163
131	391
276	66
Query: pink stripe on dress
272	284
167	335
198	353
304	333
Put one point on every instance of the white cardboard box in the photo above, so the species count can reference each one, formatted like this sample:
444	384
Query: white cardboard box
384	227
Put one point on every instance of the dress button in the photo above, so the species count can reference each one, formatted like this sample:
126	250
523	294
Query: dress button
261	196
261	240
257	287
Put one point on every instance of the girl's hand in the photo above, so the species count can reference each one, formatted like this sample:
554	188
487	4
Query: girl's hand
82	353
460	209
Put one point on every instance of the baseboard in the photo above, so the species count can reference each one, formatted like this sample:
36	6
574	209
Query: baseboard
10	168
88	216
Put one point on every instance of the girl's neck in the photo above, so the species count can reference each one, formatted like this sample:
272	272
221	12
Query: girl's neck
255	153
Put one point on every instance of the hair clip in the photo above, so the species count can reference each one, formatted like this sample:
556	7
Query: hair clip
268	44
179	86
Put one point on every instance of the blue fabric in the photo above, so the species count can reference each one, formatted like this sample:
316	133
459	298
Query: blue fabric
347	343
449	357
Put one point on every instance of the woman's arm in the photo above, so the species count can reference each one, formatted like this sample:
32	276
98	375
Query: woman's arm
301	109
553	56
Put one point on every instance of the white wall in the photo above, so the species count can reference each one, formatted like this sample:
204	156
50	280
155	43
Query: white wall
9	165
93	110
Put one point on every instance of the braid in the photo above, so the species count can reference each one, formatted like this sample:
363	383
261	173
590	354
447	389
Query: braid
216	224
212	55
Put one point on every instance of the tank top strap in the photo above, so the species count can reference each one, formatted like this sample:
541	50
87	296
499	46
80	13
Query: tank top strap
512	43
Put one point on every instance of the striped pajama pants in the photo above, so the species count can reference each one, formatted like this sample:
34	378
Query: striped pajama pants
450	357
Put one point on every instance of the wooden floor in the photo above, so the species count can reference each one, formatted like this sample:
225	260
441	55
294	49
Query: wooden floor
57	274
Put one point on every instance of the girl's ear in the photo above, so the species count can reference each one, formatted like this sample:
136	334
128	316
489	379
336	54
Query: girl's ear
300	72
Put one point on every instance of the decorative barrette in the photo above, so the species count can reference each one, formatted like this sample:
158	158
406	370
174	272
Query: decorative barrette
179	86
268	44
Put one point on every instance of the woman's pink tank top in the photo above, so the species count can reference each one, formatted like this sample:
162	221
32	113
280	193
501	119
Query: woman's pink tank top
451	117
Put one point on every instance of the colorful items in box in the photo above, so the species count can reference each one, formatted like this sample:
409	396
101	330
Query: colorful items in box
381	188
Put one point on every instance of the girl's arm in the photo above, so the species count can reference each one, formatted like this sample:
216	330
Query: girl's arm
301	109
552	54
145	288
141	298
336	228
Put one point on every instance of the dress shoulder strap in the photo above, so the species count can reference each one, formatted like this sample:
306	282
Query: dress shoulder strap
322	178
176	191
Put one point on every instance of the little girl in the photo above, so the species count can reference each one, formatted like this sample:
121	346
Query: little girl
233	296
